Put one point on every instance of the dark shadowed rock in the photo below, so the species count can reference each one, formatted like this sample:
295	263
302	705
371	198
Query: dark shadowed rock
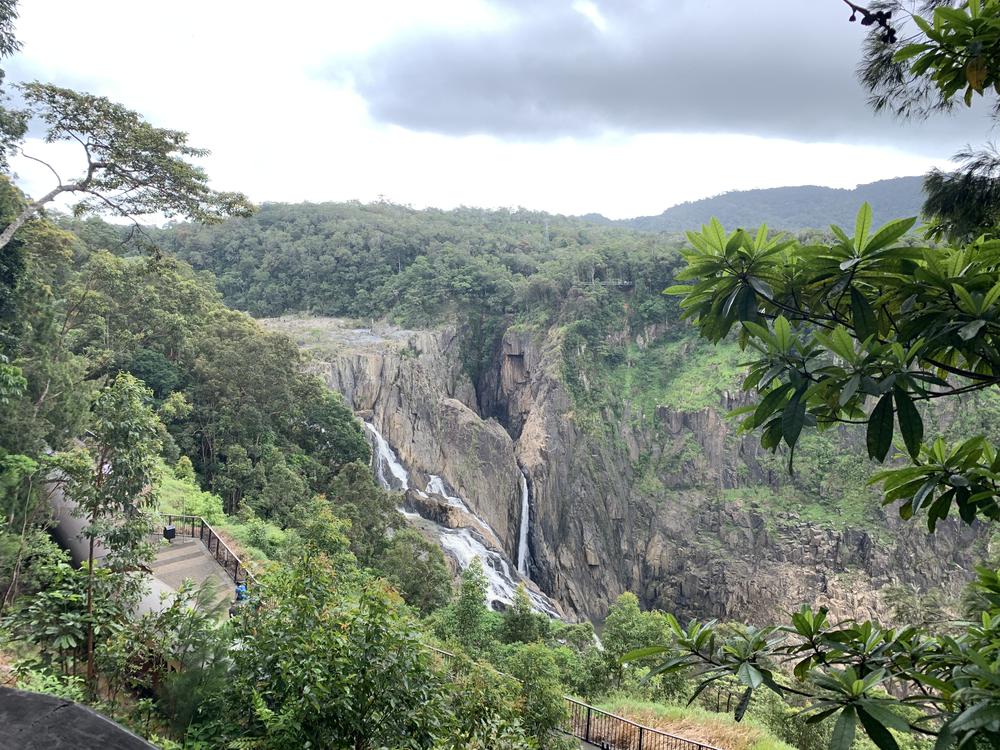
35	721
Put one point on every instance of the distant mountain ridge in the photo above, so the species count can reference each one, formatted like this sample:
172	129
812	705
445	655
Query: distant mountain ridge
805	207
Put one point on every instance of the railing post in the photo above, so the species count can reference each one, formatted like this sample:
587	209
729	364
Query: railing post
641	730
201	530
587	731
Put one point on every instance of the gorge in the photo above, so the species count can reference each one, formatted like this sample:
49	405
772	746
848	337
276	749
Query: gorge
690	516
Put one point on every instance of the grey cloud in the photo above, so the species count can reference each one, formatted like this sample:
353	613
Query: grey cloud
772	68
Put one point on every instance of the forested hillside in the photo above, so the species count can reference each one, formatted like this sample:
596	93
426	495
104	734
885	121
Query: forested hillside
381	259
804	207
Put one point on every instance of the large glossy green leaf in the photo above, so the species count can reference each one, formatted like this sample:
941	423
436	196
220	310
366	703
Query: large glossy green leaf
881	736
715	234
749	675
743	705
885	716
865	323
843	730
889	234
862	225
911	425
910	50
783	334
880	429
969	330
769	403
850	388
793	418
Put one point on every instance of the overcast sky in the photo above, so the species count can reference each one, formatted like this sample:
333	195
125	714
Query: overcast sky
622	107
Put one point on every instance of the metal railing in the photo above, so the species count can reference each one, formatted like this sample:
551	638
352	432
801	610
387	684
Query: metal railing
612	732
602	729
197	528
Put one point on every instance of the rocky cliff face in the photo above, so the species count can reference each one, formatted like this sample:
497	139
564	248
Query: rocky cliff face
410	386
644	507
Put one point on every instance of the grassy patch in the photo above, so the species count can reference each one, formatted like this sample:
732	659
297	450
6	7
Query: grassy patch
686	375
251	538
719	730
683	374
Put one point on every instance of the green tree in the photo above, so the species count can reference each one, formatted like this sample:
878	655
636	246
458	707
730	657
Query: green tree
55	621
282	490
112	479
863	330
133	169
470	615
13	122
179	653
485	707
417	570
324	667
866	329
235	477
543	706
370	509
184	470
919	63
628	628
19	479
318	526
520	623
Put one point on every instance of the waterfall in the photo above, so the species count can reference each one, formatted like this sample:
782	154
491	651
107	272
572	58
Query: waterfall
501	581
522	536
435	486
463	544
385	458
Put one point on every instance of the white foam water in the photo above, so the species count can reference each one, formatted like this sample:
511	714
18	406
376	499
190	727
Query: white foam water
522	536
501	581
385	457
463	544
436	487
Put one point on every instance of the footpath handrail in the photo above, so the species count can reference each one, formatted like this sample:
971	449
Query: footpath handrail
609	731
612	732
197	527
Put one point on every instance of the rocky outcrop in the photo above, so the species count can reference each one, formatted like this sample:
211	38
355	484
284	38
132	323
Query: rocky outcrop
410	385
649	503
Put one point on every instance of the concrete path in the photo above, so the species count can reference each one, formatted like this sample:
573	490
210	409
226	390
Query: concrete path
182	559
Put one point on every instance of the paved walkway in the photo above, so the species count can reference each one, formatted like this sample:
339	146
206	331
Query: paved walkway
181	559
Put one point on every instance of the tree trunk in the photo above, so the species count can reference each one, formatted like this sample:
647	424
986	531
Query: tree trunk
8	596
11	229
91	672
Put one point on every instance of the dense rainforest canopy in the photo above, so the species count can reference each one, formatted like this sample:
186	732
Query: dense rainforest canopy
380	259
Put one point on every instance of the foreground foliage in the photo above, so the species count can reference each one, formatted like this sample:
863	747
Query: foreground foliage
865	320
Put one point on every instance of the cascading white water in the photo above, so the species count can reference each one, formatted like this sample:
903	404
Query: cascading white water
463	544
522	536
501	581
435	486
385	458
